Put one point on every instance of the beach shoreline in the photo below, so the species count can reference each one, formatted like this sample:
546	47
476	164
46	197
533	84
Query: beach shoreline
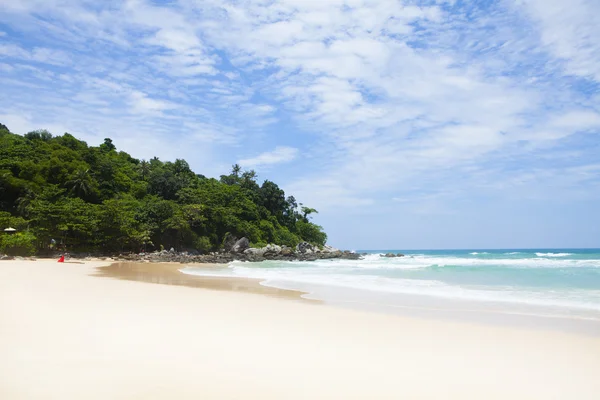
65	333
169	274
406	305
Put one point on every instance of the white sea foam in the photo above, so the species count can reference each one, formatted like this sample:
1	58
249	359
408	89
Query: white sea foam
553	254
295	279
449	276
374	261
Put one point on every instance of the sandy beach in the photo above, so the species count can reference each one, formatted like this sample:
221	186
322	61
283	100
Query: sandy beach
67	333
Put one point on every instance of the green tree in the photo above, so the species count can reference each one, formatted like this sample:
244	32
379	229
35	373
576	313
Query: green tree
235	170
311	233
144	169
107	145
98	198
18	244
306	211
40	134
80	183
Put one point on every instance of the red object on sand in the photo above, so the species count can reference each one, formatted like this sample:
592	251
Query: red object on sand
61	259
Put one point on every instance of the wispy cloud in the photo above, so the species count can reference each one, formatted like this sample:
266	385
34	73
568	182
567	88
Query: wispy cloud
426	101
280	154
569	31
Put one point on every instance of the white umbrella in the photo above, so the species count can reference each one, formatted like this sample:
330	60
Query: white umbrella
10	230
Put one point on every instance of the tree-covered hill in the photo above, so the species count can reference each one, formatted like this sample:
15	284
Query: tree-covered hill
58	191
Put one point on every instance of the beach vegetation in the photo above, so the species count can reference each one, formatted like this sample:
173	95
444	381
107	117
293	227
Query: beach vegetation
18	244
58	190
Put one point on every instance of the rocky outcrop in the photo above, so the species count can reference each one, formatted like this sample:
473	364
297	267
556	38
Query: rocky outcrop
178	257
8	258
392	255
229	242
240	245
239	250
305	248
287	252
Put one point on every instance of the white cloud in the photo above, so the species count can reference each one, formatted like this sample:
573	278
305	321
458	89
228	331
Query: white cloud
38	54
576	120
281	154
142	103
18	123
570	31
397	95
11	50
328	194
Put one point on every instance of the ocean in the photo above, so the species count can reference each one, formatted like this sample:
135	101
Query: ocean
543	282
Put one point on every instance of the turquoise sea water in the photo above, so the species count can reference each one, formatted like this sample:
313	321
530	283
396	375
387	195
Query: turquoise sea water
566	281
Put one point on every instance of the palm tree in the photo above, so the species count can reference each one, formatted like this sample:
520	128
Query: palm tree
24	201
248	179
251	175
306	211
80	183
235	170
144	168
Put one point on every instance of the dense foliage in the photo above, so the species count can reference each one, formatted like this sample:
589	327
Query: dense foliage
58	191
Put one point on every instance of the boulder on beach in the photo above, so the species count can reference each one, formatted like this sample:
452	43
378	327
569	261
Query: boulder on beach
305	248
241	245
271	250
254	251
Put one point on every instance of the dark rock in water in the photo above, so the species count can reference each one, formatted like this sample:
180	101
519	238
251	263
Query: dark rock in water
392	255
240	245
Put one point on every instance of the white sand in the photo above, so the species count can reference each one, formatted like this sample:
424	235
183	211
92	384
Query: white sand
67	335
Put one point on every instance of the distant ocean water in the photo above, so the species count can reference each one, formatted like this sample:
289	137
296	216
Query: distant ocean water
564	280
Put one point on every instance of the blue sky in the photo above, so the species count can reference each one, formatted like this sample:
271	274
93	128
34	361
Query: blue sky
407	124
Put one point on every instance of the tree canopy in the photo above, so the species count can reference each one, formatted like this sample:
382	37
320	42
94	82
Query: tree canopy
58	190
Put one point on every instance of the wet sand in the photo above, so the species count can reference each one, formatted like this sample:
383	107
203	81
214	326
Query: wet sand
68	334
169	274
